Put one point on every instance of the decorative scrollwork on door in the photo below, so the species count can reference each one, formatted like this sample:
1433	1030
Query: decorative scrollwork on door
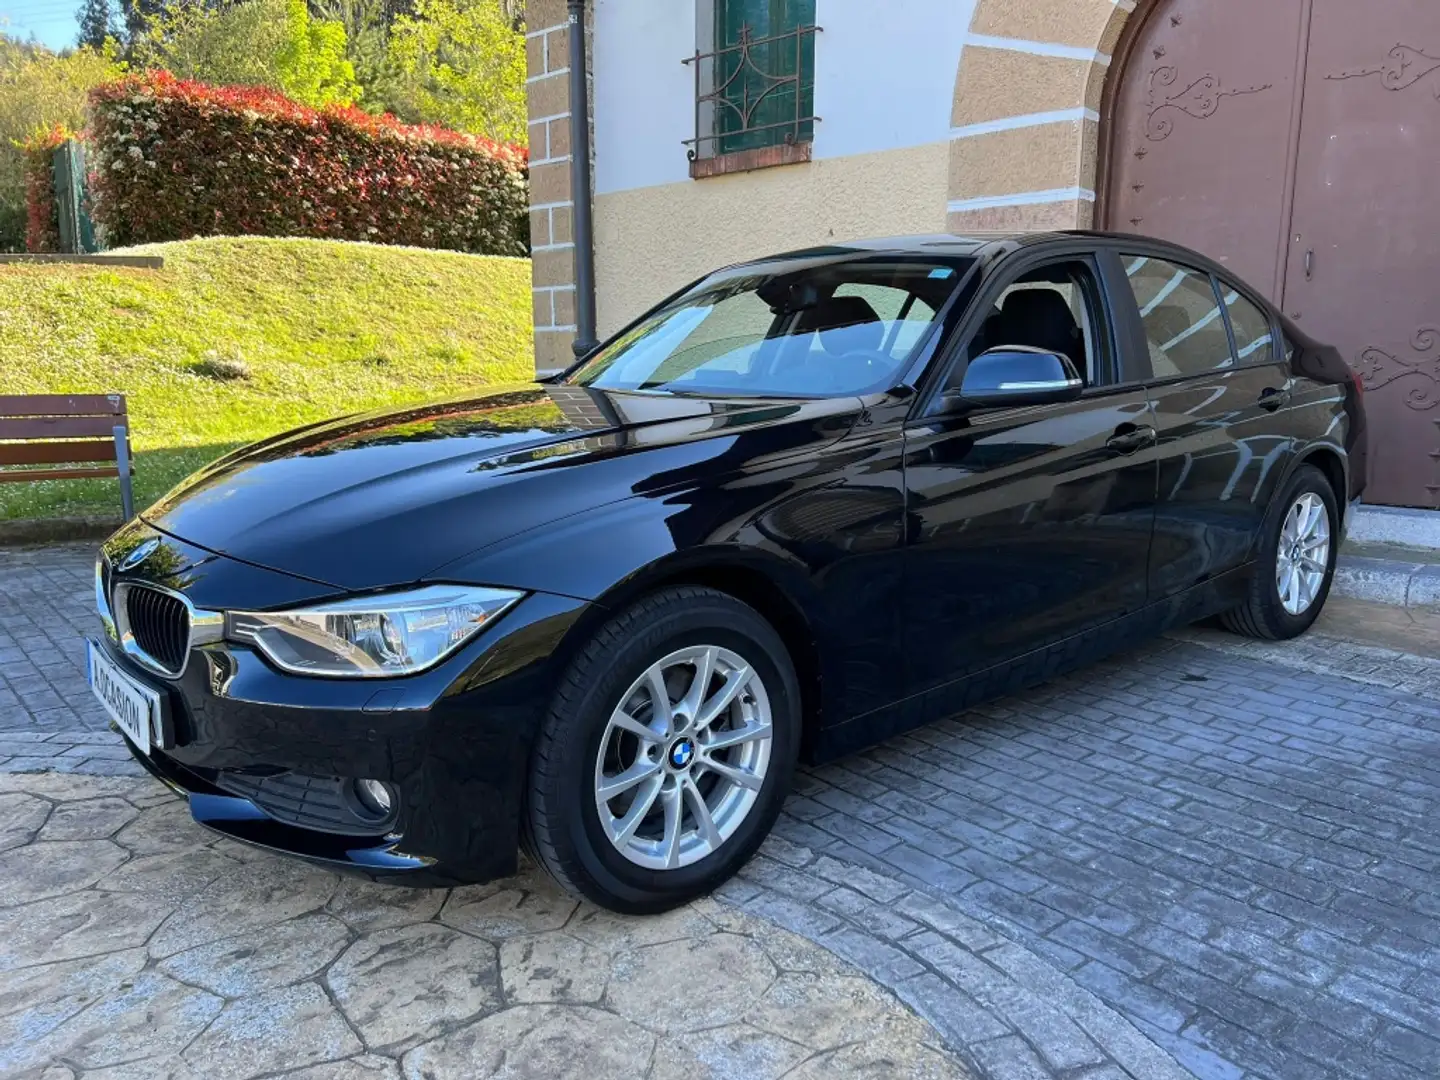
1378	368
1404	66
1200	99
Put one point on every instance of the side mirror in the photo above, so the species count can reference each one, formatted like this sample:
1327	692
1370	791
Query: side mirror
1013	375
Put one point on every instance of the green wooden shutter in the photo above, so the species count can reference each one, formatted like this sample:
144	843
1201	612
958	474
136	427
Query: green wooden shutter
773	119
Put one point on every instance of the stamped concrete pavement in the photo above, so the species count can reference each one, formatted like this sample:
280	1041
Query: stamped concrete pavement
134	944
1208	857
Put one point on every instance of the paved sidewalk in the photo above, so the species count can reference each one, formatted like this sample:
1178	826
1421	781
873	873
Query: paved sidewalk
48	717
1210	852
135	944
1243	858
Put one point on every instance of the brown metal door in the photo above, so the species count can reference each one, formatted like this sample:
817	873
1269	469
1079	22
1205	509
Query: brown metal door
1364	266
1201	131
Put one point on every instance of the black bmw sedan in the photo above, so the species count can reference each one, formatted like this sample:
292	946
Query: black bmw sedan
803	504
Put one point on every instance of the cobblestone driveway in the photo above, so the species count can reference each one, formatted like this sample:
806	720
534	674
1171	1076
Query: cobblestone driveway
1223	850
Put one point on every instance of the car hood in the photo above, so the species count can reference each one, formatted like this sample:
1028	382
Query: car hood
383	498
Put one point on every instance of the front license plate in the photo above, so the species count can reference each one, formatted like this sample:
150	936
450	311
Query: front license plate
134	708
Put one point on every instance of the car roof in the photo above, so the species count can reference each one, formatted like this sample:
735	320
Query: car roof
961	245
992	246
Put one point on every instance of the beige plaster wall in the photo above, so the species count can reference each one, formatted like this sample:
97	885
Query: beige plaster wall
650	241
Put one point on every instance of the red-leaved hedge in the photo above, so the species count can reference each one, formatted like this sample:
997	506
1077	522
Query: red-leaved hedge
42	213
171	159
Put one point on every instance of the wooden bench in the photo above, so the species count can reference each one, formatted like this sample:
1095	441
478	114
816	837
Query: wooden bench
66	429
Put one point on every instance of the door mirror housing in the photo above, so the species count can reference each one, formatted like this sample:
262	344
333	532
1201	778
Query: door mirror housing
1014	375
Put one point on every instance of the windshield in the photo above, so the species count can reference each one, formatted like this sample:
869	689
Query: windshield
821	329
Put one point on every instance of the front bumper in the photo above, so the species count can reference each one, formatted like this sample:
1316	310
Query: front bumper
260	754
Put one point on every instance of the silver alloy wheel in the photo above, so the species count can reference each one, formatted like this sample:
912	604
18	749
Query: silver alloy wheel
1304	555
683	757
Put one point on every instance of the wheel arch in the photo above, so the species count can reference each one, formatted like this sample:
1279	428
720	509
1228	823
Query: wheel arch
1334	463
768	586
1331	461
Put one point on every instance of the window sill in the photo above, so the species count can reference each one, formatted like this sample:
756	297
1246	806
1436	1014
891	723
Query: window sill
763	157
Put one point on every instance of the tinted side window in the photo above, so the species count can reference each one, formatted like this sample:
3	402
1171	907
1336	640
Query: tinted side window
1184	323
1056	308
1254	336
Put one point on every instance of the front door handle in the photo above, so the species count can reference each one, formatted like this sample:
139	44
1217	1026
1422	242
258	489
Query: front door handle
1274	398
1129	438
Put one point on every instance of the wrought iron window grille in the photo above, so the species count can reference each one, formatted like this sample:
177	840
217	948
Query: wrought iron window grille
734	96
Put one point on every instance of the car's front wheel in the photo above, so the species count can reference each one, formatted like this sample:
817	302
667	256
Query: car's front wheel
1296	564
666	754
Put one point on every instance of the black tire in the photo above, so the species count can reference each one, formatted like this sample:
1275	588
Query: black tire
561	826
1262	615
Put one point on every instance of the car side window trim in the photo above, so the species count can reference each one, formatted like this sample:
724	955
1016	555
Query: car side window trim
1010	271
1140	337
1130	348
1278	340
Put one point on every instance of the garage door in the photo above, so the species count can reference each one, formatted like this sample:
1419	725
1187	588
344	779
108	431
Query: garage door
1294	141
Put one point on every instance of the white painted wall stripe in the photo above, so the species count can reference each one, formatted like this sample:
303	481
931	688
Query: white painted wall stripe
1038	48
1023	198
552	247
1011	123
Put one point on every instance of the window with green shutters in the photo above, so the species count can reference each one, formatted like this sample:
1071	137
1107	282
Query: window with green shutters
761	88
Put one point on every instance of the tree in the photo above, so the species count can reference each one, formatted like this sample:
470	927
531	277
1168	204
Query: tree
367	46
464	64
40	90
234	45
97	23
136	16
312	64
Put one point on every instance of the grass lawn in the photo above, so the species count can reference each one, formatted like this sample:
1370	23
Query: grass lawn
324	328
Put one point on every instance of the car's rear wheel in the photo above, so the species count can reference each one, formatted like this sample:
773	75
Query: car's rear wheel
1297	561
666	754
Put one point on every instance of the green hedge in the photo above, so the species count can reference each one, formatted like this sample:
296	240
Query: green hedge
42	213
172	159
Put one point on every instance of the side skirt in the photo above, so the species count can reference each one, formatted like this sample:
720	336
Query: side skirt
1035	667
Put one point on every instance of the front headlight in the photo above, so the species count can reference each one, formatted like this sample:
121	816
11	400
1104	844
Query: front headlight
372	636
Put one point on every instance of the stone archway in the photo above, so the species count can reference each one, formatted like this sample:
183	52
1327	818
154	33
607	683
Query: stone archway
1024	151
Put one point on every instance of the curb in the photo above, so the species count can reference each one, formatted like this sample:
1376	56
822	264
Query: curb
1394	525
29	532
135	262
1387	581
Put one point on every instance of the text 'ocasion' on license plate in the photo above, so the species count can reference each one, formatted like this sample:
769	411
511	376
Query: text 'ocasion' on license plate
133	707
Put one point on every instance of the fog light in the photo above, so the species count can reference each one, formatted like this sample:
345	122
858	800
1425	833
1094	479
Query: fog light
374	797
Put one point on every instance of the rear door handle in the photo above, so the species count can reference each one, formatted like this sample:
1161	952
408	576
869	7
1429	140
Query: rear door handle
1128	438
1273	399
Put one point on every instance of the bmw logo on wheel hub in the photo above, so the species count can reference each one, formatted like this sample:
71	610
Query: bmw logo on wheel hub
682	752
